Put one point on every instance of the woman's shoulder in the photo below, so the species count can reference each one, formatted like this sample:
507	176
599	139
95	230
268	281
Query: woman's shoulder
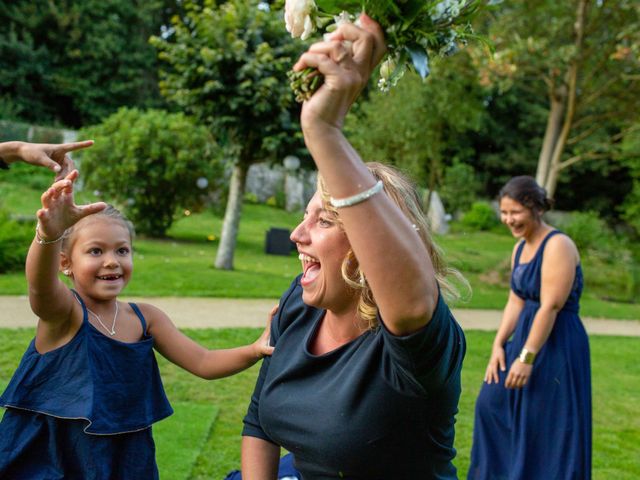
560	245
560	241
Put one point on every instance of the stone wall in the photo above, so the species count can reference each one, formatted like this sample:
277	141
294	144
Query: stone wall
266	181
24	132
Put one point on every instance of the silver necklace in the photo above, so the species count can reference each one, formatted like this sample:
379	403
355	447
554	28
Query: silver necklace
112	332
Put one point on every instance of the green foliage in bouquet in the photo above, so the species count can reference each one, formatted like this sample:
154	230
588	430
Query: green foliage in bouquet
415	31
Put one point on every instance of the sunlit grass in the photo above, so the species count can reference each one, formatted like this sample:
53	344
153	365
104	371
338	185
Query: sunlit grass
616	405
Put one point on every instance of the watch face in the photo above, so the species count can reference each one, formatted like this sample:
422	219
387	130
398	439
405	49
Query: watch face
526	356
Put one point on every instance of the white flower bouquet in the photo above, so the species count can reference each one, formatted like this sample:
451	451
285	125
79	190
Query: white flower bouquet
415	30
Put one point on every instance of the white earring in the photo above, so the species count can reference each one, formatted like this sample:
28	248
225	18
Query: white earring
66	272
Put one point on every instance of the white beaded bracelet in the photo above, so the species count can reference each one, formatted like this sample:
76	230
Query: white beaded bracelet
357	198
42	241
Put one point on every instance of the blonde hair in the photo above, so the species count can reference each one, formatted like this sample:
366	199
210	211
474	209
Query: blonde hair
404	194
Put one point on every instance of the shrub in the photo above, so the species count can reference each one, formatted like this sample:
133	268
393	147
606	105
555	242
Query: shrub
588	231
481	216
149	163
250	197
15	239
459	187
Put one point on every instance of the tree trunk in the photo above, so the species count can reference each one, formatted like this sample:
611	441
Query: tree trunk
571	82
557	98
226	249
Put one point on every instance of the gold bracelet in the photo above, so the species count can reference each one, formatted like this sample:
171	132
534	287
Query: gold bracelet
526	356
42	241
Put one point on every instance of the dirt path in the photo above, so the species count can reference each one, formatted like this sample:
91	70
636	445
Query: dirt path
226	312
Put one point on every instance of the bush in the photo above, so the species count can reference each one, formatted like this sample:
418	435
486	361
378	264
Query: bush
149	163
15	239
459	187
481	216
588	231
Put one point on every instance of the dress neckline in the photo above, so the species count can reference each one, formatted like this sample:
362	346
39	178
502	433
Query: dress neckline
538	250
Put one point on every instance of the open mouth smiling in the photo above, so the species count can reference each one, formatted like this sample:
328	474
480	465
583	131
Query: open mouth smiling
111	277
310	267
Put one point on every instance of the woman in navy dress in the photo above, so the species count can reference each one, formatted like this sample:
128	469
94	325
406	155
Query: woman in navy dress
533	413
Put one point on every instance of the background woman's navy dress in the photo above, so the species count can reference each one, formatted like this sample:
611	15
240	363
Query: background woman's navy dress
541	431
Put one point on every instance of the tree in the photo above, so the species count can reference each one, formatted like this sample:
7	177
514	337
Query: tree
74	62
417	125
631	207
152	164
226	65
580	56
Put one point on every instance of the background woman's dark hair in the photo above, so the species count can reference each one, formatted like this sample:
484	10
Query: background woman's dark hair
525	190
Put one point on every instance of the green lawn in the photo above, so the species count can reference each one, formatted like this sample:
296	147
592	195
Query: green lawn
182	264
208	446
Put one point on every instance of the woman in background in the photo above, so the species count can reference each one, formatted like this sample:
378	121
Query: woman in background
533	413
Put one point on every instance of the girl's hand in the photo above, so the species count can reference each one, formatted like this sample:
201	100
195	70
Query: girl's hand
59	211
261	346
519	374
346	61
496	361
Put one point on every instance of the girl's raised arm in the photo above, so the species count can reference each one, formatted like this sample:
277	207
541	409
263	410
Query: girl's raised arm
49	297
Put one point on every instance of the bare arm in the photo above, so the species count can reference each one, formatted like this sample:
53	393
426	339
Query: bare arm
507	326
50	299
260	459
389	251
193	357
52	156
558	273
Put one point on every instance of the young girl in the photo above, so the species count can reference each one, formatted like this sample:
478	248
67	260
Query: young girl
82	402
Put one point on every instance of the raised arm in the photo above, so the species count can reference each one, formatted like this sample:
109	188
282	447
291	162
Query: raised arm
193	357
52	156
389	250
50	299
557	277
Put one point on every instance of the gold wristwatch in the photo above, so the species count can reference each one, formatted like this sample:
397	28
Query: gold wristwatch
526	356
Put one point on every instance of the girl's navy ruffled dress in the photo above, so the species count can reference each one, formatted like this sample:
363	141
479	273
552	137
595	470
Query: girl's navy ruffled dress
541	431
84	410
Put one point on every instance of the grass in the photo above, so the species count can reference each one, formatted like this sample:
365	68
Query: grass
179	438
182	264
616	409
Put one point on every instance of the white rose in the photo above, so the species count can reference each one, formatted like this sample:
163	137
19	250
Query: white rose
297	17
387	68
